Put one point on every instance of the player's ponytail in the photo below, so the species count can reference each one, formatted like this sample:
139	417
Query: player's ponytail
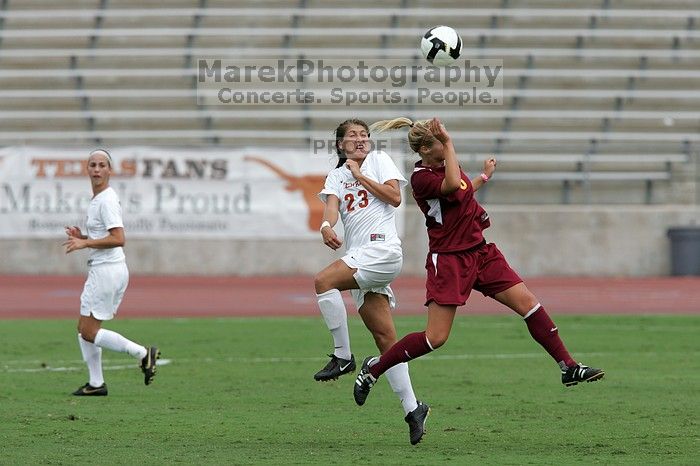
340	134
419	134
386	125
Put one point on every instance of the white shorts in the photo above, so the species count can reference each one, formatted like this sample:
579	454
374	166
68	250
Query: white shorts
104	290
377	266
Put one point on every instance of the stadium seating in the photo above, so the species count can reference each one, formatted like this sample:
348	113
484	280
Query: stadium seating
594	96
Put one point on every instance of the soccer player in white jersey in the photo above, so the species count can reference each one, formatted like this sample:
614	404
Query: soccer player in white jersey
107	279
364	189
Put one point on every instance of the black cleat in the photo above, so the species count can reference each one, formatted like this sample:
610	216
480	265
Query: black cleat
148	364
365	380
416	422
89	390
335	368
580	373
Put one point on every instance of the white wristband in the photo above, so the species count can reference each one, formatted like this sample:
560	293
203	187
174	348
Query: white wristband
325	224
484	177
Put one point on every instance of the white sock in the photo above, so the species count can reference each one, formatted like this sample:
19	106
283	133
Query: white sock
400	383
115	342
333	311
92	355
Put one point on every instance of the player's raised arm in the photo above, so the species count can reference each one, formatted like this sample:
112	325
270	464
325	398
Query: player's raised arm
453	175
489	169
389	192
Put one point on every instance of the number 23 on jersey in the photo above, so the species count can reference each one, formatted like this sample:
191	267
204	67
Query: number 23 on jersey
350	199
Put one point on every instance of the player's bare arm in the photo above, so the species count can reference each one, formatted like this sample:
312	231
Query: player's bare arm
115	239
453	175
489	169
388	192
330	215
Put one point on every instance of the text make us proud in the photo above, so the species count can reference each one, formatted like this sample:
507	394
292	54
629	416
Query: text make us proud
66	198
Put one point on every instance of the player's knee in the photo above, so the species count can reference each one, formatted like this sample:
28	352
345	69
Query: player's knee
435	343
436	339
87	332
88	335
527	304
524	302
322	283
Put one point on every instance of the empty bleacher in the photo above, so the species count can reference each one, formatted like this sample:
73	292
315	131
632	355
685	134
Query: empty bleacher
597	96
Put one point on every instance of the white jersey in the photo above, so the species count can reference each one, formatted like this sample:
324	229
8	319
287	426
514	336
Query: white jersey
104	213
366	218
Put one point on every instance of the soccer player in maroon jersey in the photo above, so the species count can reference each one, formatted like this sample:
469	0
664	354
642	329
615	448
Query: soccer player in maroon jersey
459	260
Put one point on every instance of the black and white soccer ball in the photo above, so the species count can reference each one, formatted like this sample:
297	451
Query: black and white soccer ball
441	45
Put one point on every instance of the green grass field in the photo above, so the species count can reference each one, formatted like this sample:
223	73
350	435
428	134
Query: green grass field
240	391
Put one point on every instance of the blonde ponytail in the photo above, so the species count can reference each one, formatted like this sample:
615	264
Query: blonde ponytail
385	125
419	134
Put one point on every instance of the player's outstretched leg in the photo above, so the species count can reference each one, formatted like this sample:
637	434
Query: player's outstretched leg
364	382
416	422
148	364
545	332
580	373
335	368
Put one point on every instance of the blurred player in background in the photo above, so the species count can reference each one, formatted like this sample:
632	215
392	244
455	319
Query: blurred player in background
365	189
107	279
459	260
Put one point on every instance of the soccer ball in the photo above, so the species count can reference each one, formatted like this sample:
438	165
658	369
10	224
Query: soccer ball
441	45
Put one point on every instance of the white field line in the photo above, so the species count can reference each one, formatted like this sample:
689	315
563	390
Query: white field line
639	326
76	365
464	322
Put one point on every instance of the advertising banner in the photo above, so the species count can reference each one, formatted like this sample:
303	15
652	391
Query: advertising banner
168	192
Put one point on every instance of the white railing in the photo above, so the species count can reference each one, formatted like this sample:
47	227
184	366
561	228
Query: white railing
585	176
568	33
591	94
423	13
336	113
575	158
583	73
302	135
331	52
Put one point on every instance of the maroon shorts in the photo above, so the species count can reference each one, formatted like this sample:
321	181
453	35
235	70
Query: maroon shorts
453	275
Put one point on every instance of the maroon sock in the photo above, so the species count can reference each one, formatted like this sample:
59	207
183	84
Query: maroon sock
546	334
411	346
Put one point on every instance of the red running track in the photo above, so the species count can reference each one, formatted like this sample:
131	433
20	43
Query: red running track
40	296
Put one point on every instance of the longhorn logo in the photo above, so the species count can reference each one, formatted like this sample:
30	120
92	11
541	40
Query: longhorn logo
309	185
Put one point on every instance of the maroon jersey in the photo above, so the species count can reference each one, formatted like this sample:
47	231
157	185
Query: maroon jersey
455	222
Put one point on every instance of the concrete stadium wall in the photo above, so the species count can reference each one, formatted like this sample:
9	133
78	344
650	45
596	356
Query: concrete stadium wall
536	240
